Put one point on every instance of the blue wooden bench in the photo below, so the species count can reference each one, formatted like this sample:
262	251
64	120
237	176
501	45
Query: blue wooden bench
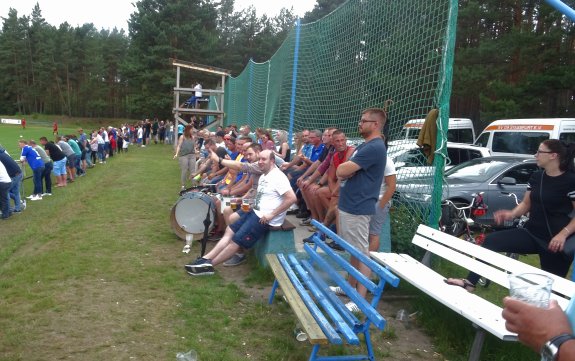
323	315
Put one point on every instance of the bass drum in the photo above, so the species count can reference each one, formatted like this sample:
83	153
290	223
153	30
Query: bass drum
188	215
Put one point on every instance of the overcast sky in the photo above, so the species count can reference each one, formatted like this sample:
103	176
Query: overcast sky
115	13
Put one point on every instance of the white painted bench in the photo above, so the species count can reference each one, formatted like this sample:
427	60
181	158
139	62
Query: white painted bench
496	267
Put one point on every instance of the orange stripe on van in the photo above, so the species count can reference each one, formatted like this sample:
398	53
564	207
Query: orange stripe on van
520	127
413	125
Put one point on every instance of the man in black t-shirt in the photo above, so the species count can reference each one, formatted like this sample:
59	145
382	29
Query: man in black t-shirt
59	159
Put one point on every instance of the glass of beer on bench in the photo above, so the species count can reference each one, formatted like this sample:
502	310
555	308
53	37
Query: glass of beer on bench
247	204
532	288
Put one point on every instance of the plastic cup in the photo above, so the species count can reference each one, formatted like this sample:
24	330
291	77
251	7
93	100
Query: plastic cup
300	334
246	205
532	288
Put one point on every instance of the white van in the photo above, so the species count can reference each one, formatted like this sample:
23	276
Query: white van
460	130
523	136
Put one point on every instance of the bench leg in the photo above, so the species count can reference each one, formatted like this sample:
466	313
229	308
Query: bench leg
426	260
370	354
273	292
314	352
477	344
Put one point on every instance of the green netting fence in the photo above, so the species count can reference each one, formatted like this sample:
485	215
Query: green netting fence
365	52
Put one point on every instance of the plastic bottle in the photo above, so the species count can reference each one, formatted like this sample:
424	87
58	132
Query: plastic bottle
188	356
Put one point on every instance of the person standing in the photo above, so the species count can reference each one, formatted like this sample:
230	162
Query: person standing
186	154
15	174
360	182
48	167
59	159
36	163
5	185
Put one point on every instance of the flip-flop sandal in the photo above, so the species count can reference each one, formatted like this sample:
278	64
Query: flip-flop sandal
465	284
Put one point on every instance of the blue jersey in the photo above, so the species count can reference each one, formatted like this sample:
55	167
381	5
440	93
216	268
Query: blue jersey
32	157
359	193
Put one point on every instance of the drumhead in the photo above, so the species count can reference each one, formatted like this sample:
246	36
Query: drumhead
189	214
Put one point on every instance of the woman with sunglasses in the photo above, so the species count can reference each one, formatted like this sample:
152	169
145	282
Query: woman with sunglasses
549	200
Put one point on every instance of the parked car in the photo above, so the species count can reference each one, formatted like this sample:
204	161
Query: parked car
410	161
491	175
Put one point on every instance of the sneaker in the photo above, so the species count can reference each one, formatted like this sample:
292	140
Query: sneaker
31	196
236	260
304	214
310	238
22	204
203	271
338	291
198	263
46	194
305	222
335	246
352	307
36	198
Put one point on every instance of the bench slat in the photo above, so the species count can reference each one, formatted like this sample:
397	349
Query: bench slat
479	311
365	306
313	330
495	275
313	282
319	317
561	285
381	272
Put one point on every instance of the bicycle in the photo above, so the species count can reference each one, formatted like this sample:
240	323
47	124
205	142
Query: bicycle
461	221
458	219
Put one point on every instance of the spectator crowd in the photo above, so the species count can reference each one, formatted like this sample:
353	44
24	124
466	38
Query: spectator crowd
346	188
66	158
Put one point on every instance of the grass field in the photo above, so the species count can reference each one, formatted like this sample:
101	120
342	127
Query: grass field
95	273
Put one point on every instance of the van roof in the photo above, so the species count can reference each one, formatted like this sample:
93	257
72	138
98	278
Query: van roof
526	124
418	123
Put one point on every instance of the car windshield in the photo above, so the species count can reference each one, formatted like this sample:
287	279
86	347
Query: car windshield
477	170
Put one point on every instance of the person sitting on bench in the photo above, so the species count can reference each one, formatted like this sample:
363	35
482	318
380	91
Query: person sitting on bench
273	198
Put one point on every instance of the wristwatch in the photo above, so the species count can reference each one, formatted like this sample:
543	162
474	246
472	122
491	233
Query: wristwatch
550	349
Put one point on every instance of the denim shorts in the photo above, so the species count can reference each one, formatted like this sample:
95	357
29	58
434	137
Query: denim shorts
248	229
60	167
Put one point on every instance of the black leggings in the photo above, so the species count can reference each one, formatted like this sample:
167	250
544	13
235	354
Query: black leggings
520	240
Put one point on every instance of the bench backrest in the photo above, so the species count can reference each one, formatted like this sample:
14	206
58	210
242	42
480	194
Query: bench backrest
324	261
492	265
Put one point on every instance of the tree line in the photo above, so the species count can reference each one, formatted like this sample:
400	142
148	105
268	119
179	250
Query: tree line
514	58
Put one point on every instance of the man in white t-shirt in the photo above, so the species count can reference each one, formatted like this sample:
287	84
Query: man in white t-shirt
273	198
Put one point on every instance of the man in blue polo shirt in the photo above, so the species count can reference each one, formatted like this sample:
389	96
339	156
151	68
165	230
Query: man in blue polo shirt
360	181
36	163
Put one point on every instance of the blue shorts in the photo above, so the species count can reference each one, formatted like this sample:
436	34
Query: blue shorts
60	167
71	160
248	229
